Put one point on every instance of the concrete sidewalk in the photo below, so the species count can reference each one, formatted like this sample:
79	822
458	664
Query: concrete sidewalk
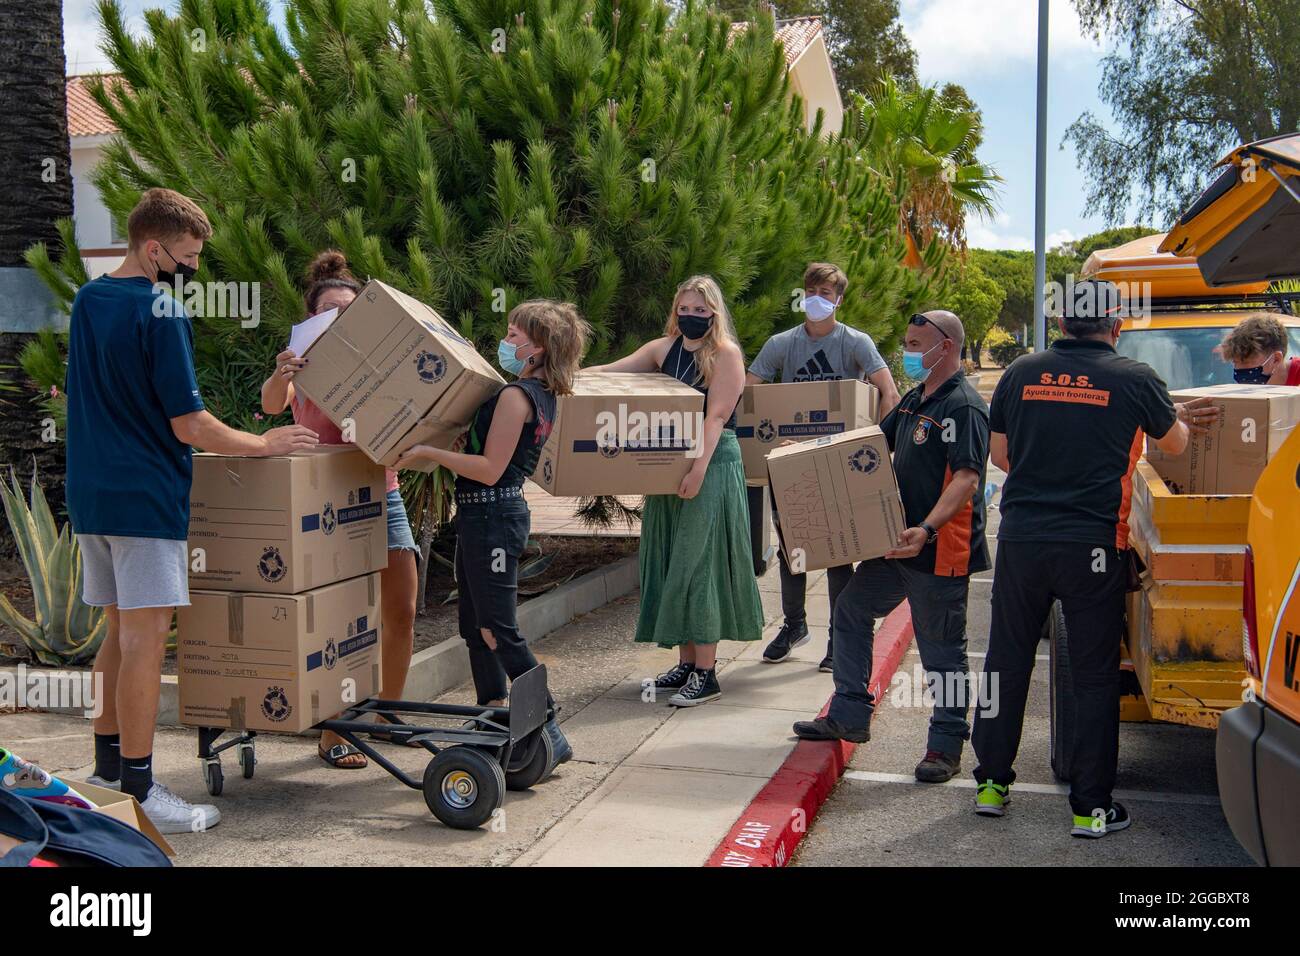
649	784
671	800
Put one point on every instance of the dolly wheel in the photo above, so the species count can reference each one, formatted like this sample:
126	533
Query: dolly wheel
247	760
212	777
540	757
463	786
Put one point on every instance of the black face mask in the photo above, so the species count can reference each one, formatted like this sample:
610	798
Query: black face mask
184	270
1250	376
694	326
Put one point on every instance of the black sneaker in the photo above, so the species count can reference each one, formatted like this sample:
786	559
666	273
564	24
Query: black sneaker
1099	824
701	687
786	640
676	678
827	666
938	767
823	728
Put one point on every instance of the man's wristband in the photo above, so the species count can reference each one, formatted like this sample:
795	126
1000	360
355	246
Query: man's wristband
930	530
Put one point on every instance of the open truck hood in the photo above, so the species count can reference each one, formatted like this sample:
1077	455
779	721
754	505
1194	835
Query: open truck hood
1246	226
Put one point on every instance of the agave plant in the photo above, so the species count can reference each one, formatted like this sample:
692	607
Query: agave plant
66	630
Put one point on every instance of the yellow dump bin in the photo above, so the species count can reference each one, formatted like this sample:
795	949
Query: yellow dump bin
1184	625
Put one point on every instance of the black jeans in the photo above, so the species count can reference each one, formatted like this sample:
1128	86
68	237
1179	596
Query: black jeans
938	611
490	539
794	589
1089	580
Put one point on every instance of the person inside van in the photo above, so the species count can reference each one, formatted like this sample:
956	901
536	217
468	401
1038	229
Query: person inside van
1257	350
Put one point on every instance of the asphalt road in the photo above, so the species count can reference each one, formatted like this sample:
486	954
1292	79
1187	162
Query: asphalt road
879	815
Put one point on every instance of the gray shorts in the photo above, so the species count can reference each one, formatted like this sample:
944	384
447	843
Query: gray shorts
133	572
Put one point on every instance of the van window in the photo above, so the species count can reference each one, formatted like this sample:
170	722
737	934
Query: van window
1185	358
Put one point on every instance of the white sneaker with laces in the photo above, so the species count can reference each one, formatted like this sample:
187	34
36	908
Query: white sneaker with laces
95	781
173	814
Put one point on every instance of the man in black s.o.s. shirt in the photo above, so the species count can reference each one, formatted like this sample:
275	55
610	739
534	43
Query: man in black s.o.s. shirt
1068	426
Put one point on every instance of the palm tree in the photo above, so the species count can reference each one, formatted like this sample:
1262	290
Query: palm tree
924	140
35	191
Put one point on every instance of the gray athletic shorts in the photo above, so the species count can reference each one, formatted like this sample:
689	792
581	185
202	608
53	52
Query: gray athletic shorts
133	572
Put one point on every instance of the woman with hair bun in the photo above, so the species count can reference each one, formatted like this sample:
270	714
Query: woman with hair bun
331	285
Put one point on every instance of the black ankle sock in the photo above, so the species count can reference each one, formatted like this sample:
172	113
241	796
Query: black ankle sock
108	756
137	776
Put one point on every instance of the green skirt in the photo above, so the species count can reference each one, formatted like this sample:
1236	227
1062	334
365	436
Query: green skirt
697	571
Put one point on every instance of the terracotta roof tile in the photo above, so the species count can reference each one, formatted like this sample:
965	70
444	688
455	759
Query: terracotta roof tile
797	35
85	118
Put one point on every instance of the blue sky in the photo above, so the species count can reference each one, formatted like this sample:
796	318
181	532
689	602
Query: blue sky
989	46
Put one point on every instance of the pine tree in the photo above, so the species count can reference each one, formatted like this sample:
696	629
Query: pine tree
593	150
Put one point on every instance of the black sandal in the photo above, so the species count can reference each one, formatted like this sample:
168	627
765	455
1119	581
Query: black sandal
340	752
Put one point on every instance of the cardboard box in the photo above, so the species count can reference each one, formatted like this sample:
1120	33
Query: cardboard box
124	807
837	498
1256	420
398	371
277	662
771	414
285	525
621	433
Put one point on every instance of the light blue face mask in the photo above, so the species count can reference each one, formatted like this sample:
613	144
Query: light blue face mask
508	357
914	364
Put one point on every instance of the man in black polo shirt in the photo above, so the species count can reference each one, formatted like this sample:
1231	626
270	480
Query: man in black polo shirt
1068	426
939	435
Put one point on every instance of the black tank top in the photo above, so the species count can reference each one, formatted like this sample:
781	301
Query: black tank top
680	364
531	438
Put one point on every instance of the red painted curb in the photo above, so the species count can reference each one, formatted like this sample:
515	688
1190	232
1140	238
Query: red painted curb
777	818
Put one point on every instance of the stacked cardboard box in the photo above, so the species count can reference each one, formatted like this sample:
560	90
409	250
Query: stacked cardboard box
283	626
772	414
837	498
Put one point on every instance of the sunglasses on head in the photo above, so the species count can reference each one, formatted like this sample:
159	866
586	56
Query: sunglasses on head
919	319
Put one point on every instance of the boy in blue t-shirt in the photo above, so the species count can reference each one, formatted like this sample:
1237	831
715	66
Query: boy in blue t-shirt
819	350
134	410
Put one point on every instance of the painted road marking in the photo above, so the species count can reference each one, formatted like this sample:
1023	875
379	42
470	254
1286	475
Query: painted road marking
1057	789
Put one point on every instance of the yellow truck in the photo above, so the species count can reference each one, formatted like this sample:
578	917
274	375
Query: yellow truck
1183	659
1246	227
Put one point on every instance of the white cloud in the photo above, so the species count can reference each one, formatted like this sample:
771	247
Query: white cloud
957	39
982	235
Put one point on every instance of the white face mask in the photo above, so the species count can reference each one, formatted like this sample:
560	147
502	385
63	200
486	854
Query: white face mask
817	308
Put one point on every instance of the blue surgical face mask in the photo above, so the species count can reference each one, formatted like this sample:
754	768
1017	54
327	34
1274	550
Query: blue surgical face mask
817	308
914	364
508	357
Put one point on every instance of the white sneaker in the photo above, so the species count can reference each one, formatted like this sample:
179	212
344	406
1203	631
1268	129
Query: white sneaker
106	784
173	814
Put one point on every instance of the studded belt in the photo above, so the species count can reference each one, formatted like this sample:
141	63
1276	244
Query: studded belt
483	496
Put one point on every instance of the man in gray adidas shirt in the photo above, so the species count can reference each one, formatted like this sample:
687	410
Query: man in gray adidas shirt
819	350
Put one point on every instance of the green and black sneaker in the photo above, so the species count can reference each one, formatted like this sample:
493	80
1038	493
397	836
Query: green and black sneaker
991	799
1099	824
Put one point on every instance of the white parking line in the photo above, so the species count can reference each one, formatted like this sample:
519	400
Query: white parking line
1057	789
1037	657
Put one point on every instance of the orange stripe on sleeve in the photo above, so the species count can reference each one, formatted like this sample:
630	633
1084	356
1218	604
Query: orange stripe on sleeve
952	554
1126	495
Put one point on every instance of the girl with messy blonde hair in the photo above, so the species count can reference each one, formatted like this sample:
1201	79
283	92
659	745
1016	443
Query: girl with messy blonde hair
697	581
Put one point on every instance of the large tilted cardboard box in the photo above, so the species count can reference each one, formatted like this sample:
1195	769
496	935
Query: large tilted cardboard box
837	498
398	372
622	433
1256	420
796	411
288	524
277	662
